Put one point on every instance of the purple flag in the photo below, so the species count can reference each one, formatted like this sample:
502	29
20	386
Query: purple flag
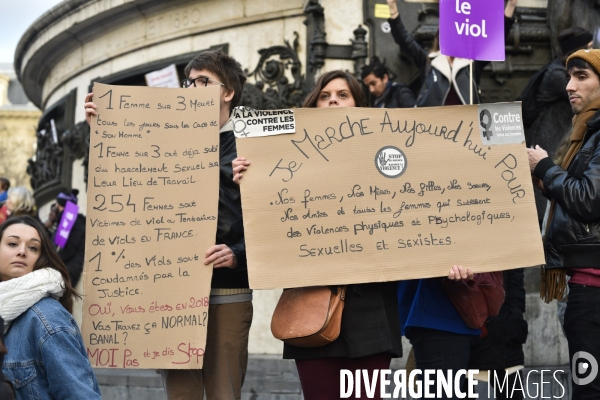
472	29
66	223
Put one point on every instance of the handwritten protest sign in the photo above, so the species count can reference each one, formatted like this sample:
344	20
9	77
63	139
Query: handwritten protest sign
366	195
472	29
153	190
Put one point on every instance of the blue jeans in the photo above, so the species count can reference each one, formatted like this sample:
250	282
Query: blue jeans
582	326
436	349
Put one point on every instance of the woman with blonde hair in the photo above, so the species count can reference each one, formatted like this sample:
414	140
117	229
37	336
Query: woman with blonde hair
20	202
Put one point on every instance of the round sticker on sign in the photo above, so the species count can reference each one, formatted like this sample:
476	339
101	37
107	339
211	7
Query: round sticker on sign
385	27
390	161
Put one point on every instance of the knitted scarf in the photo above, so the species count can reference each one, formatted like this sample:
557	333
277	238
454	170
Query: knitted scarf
554	281
18	294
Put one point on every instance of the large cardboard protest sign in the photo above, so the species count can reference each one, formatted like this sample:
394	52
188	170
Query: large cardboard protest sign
366	195
153	189
472	29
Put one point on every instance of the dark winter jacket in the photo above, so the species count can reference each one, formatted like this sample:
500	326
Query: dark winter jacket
395	95
230	226
437	73
573	236
553	121
370	325
74	251
503	347
554	114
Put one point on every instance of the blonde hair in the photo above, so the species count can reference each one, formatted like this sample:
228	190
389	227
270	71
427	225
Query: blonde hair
22	201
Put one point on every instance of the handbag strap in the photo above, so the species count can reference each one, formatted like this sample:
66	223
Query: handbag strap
343	294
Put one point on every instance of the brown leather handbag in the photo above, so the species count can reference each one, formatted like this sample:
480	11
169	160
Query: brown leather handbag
309	317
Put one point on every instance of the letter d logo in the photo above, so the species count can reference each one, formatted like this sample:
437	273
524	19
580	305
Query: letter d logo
583	367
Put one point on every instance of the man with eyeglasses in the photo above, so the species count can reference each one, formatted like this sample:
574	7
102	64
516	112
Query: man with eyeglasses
230	310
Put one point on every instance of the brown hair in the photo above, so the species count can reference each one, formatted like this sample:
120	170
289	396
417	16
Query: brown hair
376	68
226	68
48	256
355	89
4	184
561	152
580	63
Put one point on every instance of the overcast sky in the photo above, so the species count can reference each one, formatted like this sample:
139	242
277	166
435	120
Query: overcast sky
15	17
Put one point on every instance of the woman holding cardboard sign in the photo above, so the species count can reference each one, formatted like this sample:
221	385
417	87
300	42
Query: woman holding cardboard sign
370	332
46	356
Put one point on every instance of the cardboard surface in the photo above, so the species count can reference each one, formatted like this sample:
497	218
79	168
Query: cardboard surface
153	189
367	195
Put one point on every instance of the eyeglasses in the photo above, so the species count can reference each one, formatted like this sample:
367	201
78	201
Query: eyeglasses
200	81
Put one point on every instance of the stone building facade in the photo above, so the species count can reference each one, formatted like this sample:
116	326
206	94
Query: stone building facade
18	122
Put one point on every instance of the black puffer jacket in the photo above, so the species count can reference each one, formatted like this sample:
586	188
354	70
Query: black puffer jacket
73	253
553	118
230	225
573	236
437	73
395	95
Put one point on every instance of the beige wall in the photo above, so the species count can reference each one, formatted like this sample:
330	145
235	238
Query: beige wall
4	81
17	137
17	144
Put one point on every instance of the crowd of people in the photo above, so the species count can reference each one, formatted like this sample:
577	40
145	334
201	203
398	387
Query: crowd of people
41	348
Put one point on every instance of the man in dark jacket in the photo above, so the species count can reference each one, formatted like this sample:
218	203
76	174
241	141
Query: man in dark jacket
230	309
73	252
572	240
230	303
387	94
551	119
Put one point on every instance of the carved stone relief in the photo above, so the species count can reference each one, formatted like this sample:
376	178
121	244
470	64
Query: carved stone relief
273	89
50	168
